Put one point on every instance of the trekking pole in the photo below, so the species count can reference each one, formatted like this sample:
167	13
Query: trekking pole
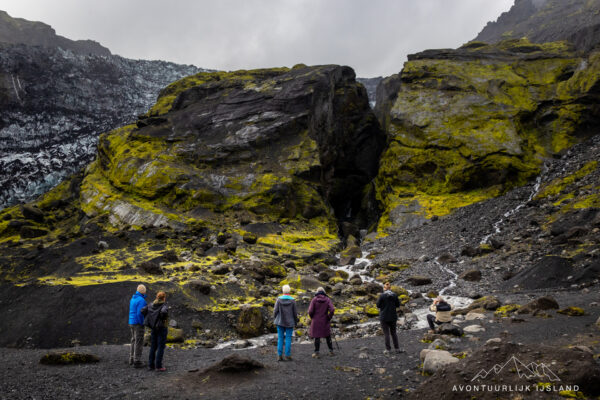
337	345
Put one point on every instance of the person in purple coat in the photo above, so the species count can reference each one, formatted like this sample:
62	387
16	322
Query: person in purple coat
320	312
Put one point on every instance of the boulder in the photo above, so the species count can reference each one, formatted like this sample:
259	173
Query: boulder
489	303
250	322
32	213
29	232
151	267
434	360
249	238
447	258
474	316
470	251
234	363
200	286
539	304
220	269
175	335
418	280
551	271
450	329
472	275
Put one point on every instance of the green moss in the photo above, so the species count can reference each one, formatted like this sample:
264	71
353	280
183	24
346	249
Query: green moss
571	394
572	311
505	310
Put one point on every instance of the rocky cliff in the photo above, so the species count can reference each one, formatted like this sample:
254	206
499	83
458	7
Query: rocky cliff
57	96
33	33
541	21
230	185
468	124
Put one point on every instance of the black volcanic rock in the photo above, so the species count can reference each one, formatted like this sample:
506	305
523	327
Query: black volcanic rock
577	21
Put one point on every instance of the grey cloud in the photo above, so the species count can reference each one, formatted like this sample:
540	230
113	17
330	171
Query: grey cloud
373	36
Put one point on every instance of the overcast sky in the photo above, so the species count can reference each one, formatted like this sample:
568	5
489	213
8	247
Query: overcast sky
372	36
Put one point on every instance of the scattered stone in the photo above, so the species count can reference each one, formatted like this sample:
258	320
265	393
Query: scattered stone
496	244
572	311
472	275
289	264
474	329
418	280
102	245
66	358
470	251
363	356
493	341
241	344
174	335
220	269
598	323
355	280
490	303
474	295
234	364
172	323
471	315
438	344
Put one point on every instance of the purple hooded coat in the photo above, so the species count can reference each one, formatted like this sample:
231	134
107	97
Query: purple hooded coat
320	311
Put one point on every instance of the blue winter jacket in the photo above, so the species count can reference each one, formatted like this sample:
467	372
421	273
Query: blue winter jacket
135	306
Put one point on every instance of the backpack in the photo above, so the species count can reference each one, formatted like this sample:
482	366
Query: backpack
154	315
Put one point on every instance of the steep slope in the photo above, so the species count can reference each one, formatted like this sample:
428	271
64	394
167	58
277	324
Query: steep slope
541	21
468	124
232	184
33	33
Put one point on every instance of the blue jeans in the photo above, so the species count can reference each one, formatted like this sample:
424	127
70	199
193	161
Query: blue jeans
284	333
158	341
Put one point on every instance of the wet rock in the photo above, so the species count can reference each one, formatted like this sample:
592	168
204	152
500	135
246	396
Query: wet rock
418	280
222	237
66	358
234	364
289	264
471	315
473	275
490	303
250	322
326	275
355	280
150	267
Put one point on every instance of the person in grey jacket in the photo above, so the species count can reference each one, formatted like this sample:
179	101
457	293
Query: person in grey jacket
286	318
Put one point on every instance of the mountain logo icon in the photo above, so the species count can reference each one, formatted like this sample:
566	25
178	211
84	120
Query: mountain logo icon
531	370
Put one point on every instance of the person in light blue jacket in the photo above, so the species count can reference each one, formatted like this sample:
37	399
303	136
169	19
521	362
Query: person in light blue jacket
136	326
286	318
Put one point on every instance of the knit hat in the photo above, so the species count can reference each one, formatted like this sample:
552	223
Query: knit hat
286	289
141	289
320	289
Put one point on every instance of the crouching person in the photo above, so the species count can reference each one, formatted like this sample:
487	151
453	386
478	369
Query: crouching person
442	313
157	315
286	318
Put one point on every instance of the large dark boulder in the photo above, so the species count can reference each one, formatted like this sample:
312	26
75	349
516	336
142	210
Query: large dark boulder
551	271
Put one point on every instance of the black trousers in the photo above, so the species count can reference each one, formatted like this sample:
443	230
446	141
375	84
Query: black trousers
389	328
431	320
318	343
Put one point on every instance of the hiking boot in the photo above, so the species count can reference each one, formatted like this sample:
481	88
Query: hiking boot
386	352
288	358
279	358
331	353
131	361
315	354
161	369
398	351
138	364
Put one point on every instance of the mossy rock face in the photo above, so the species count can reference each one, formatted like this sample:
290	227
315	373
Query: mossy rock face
371	311
272	145
67	358
250	322
468	124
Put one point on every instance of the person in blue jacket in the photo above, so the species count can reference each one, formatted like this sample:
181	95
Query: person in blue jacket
136	326
286	318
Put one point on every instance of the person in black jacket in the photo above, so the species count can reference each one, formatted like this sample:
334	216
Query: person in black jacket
157	315
387	304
